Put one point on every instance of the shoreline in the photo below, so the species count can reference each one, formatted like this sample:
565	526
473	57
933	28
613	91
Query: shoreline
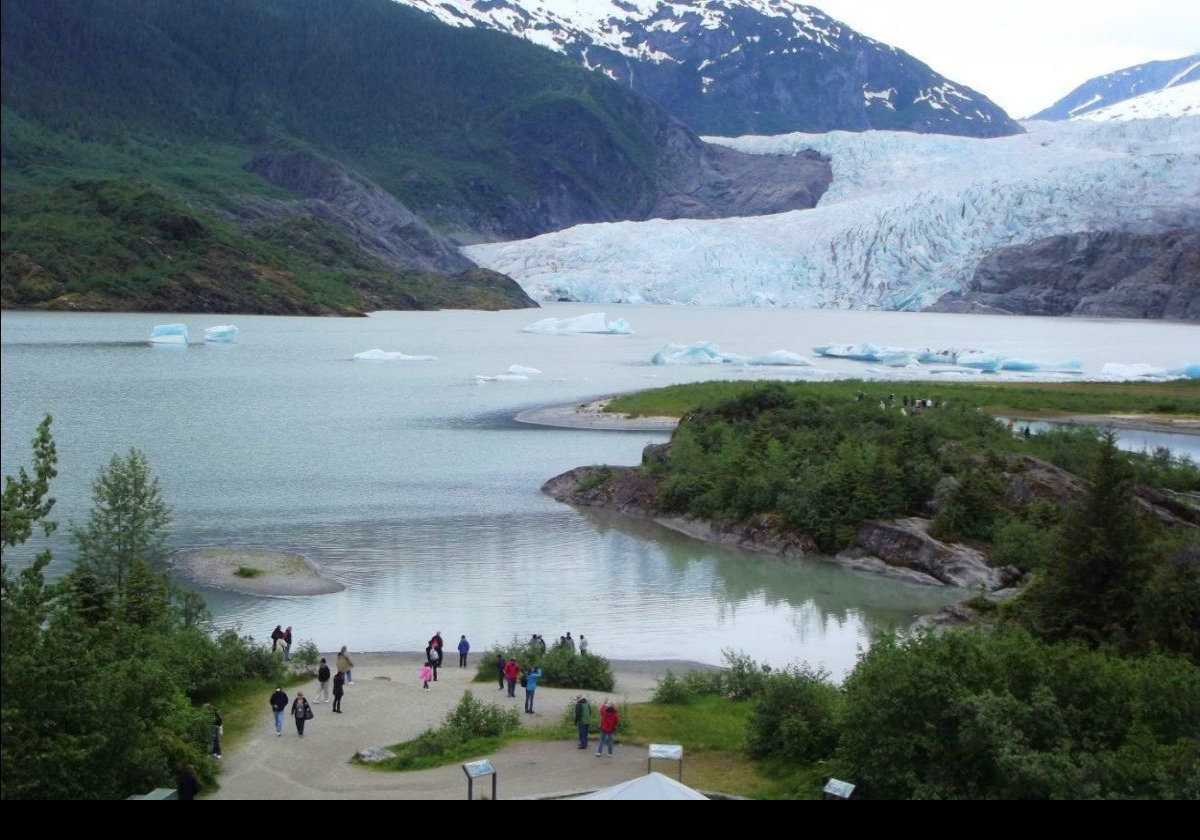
279	573
590	415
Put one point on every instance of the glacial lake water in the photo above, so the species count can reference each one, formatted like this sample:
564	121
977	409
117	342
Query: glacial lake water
411	484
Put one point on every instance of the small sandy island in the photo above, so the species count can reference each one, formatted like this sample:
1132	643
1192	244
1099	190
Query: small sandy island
253	571
591	415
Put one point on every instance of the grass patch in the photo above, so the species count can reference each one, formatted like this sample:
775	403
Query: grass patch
248	572
1180	398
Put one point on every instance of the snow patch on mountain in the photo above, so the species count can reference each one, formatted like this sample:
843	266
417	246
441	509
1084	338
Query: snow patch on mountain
907	219
1174	101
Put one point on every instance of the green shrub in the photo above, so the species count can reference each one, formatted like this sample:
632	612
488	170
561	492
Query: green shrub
743	678
1025	545
308	655
247	572
472	718
595	479
560	667
796	716
671	690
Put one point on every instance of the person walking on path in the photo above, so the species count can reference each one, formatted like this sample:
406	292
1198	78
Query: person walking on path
582	645
464	647
322	682
431	658
531	681
583	719
511	671
276	636
426	673
500	670
301	711
279	701
218	730
339	682
287	645
344	665
608	726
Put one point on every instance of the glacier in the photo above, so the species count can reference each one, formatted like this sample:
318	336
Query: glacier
907	218
169	334
709	353
522	370
224	333
378	355
593	322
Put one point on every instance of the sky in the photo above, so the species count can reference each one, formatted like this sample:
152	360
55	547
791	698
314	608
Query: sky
1026	54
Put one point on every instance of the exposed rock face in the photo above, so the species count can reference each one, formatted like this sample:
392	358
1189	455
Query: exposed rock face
374	219
1097	274
906	543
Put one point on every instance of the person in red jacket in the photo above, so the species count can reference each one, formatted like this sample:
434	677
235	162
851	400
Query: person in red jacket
608	726
511	671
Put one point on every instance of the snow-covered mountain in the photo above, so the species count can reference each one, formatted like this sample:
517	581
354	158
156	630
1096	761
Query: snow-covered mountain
1176	101
907	219
1111	88
743	66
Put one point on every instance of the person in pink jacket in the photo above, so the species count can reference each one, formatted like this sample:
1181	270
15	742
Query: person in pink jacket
511	671
426	675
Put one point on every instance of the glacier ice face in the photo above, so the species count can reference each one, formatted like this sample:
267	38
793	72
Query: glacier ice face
169	334
378	355
708	353
907	218
593	322
523	370
223	333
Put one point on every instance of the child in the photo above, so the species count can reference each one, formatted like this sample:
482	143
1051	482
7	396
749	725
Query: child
426	674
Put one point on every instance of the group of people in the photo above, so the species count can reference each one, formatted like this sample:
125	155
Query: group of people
564	641
434	654
609	720
282	640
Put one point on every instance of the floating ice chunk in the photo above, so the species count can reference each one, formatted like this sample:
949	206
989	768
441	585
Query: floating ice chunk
593	322
521	369
378	355
976	360
700	353
861	352
926	356
1143	371
502	377
899	360
169	334
780	358
1069	366
224	333
1185	371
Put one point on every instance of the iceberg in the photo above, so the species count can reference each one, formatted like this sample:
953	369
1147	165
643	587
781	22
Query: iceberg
708	353
780	358
378	355
978	360
861	352
169	334
1144	371
1185	371
501	377
521	369
594	322
1069	366
223	333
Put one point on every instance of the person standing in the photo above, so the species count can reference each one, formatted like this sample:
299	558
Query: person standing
583	719
339	682
426	673
344	665
500	670
570	642
541	642
464	647
582	645
431	658
608	726
287	645
276	636
279	701
301	711
531	681
218	730
511	671
323	682
188	786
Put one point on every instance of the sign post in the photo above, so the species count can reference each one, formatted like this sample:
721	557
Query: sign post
837	789
477	770
668	752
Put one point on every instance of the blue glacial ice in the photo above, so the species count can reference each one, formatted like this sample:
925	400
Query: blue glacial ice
709	353
378	355
1144	371
169	334
224	333
1067	366
594	322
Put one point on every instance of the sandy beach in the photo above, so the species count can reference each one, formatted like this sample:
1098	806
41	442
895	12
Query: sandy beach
276	572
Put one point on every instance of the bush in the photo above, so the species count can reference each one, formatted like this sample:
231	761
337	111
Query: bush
1025	545
472	718
560	667
672	690
796	716
743	678
308	655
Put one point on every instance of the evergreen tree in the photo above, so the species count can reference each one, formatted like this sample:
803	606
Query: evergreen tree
128	522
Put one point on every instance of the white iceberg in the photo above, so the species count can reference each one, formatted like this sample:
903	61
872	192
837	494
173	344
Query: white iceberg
708	353
378	355
523	370
780	358
1191	371
501	377
978	360
1144	371
1068	366
169	334
594	322
222	333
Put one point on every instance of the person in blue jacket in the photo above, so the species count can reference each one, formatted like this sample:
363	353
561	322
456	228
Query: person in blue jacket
531	681
464	648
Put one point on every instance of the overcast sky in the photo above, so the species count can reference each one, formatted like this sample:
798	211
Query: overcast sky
1026	54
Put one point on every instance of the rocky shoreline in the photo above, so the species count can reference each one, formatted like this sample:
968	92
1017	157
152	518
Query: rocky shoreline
267	572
